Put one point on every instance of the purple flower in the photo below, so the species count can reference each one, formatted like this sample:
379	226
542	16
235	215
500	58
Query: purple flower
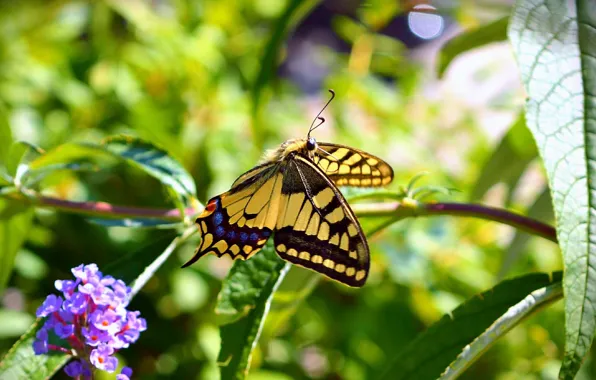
78	368
94	336
86	273
51	304
92	314
74	368
102	359
40	345
67	287
77	304
105	320
125	374
64	331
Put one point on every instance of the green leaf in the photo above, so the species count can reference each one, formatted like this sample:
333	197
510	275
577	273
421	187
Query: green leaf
154	161
533	302
244	301
508	161
22	363
494	32
555	51
15	220
432	351
295	11
5	134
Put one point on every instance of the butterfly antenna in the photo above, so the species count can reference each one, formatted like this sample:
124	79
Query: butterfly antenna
312	125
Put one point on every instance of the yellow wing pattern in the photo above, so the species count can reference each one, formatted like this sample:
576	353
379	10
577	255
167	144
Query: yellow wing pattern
347	166
240	221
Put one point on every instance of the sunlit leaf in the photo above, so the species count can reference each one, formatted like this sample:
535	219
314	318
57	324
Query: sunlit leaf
555	50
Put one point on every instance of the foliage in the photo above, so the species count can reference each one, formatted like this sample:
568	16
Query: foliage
118	118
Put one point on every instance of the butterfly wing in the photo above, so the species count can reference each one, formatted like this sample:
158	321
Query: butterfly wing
240	221
316	228
347	166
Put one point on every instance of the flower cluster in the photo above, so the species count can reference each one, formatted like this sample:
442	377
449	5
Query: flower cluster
91	317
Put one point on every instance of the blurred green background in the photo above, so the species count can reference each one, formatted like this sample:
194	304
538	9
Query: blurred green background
206	81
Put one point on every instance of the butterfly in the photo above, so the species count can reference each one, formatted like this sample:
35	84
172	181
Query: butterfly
292	194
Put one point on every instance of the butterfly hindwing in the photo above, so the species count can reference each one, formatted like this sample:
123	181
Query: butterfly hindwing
347	166
239	222
316	228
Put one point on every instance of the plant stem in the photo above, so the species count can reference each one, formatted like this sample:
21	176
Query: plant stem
101	209
399	210
402	210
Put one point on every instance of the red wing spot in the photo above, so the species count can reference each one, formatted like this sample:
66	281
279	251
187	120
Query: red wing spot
211	206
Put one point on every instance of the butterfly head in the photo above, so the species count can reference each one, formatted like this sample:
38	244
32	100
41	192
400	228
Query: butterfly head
311	144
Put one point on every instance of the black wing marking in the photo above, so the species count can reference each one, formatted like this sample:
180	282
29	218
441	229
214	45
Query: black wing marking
316	228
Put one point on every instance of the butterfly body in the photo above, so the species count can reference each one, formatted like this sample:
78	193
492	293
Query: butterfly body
292	194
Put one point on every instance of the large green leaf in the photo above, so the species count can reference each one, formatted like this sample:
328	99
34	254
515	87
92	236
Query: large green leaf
533	302
432	351
244	301
15	220
555	49
508	161
496	31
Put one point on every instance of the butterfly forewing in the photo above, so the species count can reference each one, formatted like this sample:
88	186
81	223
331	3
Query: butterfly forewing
316	228
239	222
347	166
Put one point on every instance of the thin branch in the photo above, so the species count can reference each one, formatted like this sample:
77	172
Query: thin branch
402	210
102	209
399	210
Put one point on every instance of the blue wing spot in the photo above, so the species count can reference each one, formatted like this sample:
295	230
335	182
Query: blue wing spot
231	235
266	233
243	236
217	218
220	231
254	236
